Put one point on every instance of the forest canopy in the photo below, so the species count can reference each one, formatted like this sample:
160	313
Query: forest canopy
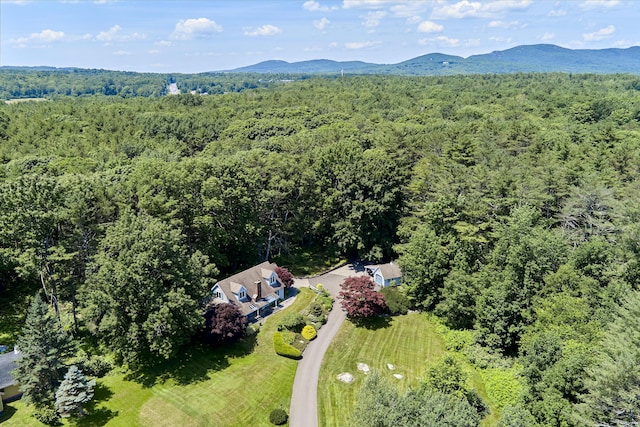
509	202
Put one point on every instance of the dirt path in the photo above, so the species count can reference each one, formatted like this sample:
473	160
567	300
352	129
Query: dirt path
304	401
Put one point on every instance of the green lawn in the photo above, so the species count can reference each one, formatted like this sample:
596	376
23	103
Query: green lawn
411	343
408	342
237	386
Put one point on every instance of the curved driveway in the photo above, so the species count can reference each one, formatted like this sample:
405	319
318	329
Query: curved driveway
304	400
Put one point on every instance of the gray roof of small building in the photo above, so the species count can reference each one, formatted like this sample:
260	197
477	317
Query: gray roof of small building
388	271
8	364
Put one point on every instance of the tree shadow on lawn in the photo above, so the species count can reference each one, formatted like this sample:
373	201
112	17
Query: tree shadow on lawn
375	323
8	412
193	363
97	416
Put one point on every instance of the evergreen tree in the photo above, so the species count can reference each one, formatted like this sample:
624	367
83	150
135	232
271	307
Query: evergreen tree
44	345
73	393
614	381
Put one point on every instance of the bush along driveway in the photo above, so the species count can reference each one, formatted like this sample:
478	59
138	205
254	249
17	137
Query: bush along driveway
304	399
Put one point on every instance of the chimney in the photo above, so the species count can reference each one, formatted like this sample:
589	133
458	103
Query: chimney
258	290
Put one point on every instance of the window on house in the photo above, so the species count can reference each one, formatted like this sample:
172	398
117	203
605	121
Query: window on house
217	294
242	294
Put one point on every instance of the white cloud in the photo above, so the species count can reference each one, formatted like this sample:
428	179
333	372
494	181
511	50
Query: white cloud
597	4
333	44
361	45
164	43
442	41
314	6
368	4
501	39
461	9
194	28
547	37
372	19
557	12
409	8
154	52
113	34
429	27
503	24
265	30
320	24
601	34
121	52
476	9
44	36
414	20
109	35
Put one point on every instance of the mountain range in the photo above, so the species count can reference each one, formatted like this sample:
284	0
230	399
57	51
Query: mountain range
529	58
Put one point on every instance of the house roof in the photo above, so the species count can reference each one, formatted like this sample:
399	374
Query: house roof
388	271
8	364
251	278
235	287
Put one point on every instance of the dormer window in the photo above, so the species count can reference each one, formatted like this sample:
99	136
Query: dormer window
242	294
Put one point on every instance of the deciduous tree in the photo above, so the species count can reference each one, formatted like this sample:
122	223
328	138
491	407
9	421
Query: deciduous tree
143	290
359	298
285	276
224	323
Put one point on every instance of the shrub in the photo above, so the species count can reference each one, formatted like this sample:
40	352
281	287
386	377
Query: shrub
309	332
397	301
47	415
315	309
326	301
288	336
284	349
95	366
278	417
292	322
318	320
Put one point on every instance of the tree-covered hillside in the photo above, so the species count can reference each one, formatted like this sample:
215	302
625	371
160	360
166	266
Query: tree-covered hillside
509	201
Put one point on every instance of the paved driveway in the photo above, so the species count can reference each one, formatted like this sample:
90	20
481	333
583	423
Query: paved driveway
304	401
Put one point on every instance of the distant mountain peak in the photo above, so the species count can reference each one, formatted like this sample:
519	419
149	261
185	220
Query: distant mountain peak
524	58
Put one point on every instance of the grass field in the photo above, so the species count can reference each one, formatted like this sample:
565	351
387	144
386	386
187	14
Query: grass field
236	386
410	343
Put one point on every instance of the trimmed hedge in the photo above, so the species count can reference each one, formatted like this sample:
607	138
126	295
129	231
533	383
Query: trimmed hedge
309	332
284	349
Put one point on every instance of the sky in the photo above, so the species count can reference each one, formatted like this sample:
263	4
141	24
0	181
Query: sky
215	35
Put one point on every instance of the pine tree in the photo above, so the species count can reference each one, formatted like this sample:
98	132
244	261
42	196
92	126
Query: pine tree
73	393
613	383
44	345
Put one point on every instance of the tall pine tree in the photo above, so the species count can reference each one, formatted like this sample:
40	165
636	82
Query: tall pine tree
73	393
44	345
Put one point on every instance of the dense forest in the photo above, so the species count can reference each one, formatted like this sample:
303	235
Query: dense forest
39	82
509	202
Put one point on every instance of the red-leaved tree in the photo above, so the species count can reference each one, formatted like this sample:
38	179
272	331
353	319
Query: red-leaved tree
224	323
285	276
359	299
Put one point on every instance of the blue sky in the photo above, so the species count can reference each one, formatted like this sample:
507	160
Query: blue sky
198	36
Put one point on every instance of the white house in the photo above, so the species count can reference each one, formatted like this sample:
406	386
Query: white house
385	274
254	291
9	389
